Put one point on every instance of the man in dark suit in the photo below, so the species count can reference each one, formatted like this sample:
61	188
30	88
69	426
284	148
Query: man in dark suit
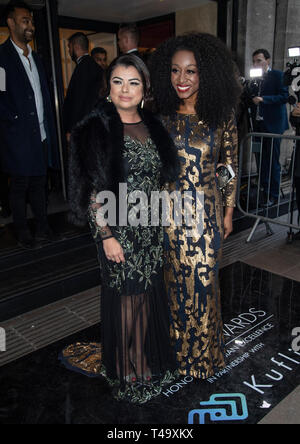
128	39
4	195
28	135
270	116
295	121
85	85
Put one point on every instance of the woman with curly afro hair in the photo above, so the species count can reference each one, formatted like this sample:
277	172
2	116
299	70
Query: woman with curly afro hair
196	91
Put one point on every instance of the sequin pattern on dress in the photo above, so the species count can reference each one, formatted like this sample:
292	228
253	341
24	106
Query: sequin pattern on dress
192	263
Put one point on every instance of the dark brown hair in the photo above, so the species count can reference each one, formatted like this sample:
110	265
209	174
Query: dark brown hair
12	6
135	61
264	52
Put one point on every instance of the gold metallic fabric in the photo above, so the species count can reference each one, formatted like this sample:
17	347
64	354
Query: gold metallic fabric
192	263
83	357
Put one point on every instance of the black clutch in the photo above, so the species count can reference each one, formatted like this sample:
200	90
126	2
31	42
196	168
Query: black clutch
225	174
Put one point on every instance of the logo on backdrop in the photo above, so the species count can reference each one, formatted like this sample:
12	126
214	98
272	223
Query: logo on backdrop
222	407
2	80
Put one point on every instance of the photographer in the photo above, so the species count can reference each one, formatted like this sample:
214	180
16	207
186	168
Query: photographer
296	113
269	115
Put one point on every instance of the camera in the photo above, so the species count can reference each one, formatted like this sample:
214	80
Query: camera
292	79
252	87
292	74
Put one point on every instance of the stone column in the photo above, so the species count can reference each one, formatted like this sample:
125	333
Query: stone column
287	31
269	24
260	32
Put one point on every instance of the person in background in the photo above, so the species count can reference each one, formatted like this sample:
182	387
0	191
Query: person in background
28	136
269	114
100	57
85	85
295	119
128	39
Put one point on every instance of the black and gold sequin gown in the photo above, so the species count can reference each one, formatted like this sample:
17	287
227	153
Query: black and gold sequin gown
135	355
192	263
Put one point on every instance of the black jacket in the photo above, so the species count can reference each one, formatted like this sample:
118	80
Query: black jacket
96	162
273	108
21	149
83	92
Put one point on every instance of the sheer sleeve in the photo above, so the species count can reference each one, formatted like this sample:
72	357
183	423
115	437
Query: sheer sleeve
99	232
230	157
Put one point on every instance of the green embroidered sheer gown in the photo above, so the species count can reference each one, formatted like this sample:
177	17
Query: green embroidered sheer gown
136	355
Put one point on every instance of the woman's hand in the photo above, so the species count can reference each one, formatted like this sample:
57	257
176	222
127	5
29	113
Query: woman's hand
228	224
113	250
296	111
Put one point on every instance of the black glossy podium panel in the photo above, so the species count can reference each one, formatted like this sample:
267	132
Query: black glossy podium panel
33	279
260	312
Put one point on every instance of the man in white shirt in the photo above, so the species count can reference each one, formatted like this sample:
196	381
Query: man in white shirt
34	78
29	142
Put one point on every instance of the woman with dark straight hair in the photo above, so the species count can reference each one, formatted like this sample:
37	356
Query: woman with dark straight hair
121	143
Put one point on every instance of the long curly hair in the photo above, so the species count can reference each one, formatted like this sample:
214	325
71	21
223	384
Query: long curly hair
219	89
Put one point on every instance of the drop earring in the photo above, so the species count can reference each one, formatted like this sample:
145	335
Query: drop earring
108	99
143	104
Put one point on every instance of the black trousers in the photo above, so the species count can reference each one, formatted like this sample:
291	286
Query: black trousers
297	175
4	191
297	185
268	152
32	189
